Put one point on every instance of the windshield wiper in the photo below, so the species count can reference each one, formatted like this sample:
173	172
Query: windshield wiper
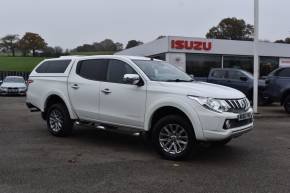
179	80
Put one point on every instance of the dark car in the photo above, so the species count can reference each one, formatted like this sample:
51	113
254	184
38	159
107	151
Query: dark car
237	79
278	87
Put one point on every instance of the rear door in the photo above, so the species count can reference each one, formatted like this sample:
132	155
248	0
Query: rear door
217	77
234	80
84	87
121	103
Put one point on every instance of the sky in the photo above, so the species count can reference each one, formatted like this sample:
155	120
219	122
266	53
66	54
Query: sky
69	23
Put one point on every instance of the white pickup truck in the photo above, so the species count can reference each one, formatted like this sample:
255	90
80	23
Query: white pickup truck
141	94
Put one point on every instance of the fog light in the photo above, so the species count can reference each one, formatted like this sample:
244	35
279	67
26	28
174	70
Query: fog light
228	124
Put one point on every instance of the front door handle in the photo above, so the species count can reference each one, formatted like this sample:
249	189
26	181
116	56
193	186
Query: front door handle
106	91
75	86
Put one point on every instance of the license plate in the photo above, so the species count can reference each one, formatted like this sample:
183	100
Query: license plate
13	90
245	116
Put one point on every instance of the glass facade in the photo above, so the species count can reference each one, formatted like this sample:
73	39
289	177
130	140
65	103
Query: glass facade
200	64
240	62
268	64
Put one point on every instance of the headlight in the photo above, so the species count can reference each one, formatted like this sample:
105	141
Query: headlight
22	88
3	88
212	104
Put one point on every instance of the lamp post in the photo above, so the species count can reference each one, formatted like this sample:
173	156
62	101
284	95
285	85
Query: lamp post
256	56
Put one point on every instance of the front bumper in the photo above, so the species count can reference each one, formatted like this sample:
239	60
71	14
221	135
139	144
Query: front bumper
14	92
225	134
214	126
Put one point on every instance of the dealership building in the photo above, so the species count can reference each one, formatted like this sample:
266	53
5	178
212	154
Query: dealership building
198	55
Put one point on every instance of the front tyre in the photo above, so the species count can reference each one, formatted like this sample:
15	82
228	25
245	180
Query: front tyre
173	137
58	120
287	104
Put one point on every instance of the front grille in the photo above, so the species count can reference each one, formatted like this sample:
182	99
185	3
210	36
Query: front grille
238	105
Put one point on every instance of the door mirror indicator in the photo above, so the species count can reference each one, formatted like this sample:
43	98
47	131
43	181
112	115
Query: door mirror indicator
132	79
243	78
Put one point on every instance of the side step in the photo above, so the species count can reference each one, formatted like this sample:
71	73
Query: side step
112	128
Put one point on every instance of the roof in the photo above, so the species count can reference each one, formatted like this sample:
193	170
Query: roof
102	56
213	46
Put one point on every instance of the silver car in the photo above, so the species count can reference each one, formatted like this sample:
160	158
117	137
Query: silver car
13	85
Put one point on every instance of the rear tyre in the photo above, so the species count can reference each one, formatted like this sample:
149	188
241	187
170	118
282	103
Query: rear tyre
58	120
173	137
287	104
221	143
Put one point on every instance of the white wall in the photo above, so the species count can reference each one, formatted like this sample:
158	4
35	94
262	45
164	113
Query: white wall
225	47
178	59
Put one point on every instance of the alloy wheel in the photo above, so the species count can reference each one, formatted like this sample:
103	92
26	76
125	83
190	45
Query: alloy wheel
173	138
56	120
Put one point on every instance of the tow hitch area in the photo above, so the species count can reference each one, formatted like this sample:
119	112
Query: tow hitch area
32	108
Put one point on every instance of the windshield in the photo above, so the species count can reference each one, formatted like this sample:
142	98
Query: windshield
14	80
162	71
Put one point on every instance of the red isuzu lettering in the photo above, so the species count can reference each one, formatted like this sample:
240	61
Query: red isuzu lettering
191	45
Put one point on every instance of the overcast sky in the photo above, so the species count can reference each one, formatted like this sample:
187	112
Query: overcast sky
69	23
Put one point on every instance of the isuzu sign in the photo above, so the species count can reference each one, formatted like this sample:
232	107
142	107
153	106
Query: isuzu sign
191	45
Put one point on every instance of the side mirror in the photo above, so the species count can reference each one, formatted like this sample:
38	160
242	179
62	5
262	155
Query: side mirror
192	76
243	78
131	79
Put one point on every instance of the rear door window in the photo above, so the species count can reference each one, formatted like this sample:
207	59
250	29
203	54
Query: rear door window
235	75
95	69
55	66
218	74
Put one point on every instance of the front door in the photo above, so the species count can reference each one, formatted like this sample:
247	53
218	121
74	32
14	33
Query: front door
120	103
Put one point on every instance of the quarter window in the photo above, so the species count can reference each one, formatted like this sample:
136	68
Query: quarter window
56	66
93	69
117	69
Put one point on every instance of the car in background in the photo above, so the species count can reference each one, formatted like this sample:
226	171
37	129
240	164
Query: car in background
238	79
278	87
13	85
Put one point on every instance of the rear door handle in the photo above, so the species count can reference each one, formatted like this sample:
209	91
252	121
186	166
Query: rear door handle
106	91
75	86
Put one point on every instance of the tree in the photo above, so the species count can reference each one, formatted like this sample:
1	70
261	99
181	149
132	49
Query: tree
285	41
133	43
105	45
232	29
108	45
9	42
31	42
119	46
58	50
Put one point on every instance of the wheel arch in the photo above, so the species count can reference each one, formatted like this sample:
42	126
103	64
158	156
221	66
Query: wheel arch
167	109
54	98
284	96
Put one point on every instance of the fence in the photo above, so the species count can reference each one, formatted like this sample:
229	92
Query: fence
3	74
